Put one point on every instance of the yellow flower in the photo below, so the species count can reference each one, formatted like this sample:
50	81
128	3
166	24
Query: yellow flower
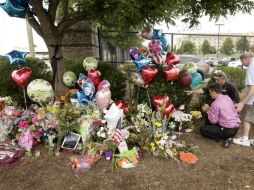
158	135
174	153
157	124
153	148
157	142
162	148
196	114
152	144
171	145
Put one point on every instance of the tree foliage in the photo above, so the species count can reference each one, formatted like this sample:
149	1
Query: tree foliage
206	48
187	47
227	47
117	15
242	44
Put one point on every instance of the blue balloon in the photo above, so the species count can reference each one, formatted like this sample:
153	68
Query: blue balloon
20	3
16	57
86	85
158	35
82	98
12	10
196	80
141	62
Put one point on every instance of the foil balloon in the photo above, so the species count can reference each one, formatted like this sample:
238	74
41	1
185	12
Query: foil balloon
95	76
137	79
86	84
185	79
196	80
103	84
90	63
149	74
103	98
158	35
82	98
147	32
155	47
172	59
158	60
143	51
69	78
22	76
40	91
134	53
171	74
141	62
16	57
190	67
159	101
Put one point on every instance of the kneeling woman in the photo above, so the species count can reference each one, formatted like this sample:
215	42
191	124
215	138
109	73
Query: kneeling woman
222	115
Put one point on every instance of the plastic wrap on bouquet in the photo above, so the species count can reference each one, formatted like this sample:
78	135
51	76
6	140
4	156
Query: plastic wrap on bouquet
26	140
128	159
85	129
5	128
112	117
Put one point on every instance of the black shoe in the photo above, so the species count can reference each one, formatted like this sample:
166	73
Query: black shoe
226	143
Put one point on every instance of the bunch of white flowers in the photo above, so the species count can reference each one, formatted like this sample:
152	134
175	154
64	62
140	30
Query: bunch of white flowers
179	116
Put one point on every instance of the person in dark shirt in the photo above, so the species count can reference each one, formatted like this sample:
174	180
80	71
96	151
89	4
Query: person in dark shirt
227	87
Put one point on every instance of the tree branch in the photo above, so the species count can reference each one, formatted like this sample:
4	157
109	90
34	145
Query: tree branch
35	25
53	4
47	24
65	4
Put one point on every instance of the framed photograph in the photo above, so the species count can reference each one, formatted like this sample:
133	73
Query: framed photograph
71	141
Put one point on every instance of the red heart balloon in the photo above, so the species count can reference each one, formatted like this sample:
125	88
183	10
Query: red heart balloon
22	76
95	76
122	105
171	74
185	79
149	74
169	109
159	100
172	59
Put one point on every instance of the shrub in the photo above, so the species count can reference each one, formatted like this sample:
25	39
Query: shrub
116	78
160	87
9	88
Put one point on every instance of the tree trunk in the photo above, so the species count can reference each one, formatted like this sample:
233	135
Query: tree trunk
58	68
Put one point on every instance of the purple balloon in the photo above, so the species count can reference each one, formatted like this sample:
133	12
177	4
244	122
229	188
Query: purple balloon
134	53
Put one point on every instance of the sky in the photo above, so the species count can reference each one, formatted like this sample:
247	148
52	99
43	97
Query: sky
13	30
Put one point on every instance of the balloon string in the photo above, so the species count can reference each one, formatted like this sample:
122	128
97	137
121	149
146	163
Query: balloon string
148	98
24	93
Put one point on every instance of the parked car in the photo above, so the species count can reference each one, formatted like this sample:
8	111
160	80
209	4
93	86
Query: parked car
236	63
210	60
203	67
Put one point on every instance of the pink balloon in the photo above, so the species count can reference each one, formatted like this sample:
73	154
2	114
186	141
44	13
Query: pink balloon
155	47
103	84
103	98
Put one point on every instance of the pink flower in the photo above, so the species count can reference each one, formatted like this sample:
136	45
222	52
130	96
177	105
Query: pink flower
23	124
35	121
37	134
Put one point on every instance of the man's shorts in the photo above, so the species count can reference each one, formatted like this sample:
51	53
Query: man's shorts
248	113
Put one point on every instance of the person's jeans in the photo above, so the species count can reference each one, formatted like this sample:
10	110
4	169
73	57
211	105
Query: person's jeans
217	132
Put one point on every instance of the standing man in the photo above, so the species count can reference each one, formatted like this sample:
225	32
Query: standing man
246	106
224	121
227	87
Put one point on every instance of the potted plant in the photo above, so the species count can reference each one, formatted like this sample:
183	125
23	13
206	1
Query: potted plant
110	148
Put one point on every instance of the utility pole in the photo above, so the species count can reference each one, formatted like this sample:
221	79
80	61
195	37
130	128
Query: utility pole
218	39
30	39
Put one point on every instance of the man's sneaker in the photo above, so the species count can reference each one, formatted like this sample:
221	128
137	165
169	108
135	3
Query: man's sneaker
226	143
241	141
251	142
